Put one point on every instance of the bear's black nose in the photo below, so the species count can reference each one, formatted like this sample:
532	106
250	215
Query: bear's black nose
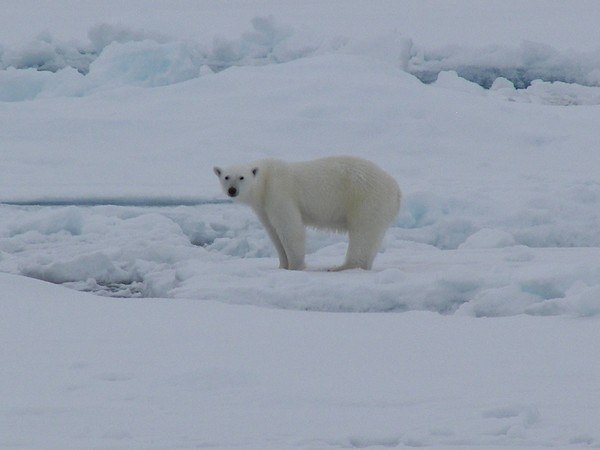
232	192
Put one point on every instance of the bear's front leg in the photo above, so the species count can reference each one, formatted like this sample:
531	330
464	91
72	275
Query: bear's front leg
287	224
283	261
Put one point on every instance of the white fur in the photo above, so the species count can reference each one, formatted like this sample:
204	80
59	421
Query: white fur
339	193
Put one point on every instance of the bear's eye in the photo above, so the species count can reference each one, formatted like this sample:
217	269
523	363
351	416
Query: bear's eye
242	178
226	177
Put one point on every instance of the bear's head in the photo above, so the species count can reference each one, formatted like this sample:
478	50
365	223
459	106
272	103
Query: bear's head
238	181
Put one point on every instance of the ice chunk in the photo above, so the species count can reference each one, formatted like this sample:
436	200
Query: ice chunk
489	238
97	266
145	63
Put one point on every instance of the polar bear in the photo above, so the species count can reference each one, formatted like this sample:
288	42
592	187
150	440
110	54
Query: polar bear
340	193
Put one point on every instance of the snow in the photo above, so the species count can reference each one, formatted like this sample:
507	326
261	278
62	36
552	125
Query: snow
478	325
152	373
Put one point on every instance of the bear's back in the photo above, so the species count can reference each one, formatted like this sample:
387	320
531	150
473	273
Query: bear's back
331	191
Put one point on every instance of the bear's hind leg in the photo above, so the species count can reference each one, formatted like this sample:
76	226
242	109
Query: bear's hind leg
363	246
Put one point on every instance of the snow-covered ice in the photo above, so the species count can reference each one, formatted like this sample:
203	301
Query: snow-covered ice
485	180
484	300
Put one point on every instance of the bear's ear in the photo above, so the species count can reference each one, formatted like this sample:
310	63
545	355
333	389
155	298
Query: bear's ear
217	171
255	171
